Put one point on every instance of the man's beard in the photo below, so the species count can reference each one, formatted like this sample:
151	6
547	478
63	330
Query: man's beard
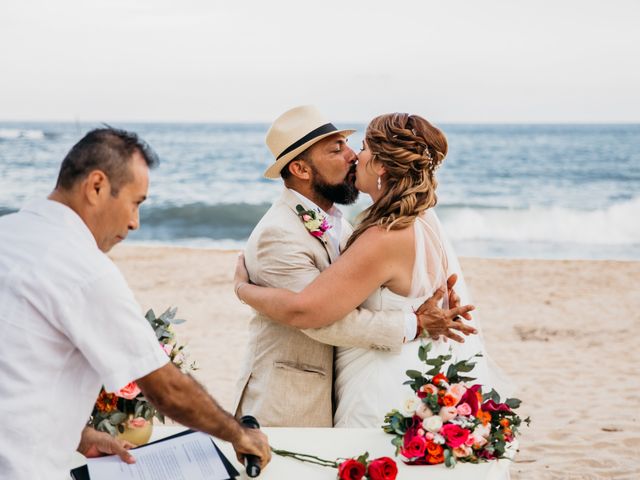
344	193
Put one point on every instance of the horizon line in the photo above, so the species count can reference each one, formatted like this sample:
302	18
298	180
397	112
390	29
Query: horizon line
267	122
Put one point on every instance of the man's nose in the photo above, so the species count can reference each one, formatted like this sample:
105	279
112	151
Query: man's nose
134	223
350	155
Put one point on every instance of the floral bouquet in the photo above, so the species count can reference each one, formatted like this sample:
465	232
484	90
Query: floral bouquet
449	420
127	407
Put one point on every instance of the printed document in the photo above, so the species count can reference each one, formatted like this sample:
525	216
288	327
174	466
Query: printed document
187	457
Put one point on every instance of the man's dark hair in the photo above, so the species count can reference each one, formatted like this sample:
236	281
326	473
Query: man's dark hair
109	150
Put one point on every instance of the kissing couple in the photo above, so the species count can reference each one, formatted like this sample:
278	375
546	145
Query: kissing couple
341	312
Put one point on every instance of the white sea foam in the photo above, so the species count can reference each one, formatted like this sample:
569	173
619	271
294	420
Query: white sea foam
618	224
16	133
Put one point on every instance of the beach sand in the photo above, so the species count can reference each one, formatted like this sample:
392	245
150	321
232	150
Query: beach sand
565	331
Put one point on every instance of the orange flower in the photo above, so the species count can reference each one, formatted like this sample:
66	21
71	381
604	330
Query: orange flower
507	432
479	395
484	417
505	422
449	400
434	449
106	402
435	459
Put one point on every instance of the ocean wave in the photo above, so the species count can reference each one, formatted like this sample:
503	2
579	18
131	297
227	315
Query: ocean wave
18	133
199	220
228	225
614	225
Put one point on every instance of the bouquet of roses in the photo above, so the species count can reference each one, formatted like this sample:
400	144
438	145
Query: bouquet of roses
128	407
383	468
448	418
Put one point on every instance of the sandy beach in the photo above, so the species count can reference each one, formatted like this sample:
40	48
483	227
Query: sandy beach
565	331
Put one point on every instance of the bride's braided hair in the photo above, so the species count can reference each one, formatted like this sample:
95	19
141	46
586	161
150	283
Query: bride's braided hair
410	149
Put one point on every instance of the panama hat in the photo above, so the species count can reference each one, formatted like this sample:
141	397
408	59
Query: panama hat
293	132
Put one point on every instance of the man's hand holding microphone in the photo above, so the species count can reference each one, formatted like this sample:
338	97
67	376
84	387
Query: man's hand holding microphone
251	446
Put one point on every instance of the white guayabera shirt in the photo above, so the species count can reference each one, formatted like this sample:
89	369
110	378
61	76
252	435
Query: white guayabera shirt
69	324
334	234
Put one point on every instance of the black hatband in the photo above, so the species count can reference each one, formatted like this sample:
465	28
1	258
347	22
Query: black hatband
326	128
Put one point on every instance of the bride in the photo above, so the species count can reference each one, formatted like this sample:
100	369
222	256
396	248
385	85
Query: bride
397	255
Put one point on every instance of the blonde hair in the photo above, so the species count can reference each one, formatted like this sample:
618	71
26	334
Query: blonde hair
410	149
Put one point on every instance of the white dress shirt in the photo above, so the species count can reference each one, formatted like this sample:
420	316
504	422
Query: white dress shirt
69	324
334	234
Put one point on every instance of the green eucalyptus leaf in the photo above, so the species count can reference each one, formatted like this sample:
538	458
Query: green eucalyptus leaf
513	402
414	374
150	316
117	418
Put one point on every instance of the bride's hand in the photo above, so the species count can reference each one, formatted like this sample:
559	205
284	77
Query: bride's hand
241	275
454	298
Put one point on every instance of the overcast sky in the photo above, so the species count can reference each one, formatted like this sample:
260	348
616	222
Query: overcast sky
207	60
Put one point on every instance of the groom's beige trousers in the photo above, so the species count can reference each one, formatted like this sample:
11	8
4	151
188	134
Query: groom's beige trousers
287	376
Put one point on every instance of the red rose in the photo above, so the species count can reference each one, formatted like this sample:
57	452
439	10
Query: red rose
383	468
414	448
351	470
454	434
129	391
439	378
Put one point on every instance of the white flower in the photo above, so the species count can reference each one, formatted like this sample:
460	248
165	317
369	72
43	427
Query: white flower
437	438
313	225
423	411
432	424
409	406
482	431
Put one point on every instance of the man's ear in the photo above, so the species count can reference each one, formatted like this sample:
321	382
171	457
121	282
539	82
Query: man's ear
300	169
96	187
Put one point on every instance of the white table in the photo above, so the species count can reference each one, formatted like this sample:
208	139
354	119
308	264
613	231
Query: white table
332	443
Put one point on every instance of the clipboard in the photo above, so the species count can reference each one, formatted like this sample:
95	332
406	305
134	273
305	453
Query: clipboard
82	473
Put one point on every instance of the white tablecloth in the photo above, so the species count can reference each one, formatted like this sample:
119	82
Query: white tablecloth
332	443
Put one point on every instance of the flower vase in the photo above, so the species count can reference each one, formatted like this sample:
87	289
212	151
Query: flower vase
136	430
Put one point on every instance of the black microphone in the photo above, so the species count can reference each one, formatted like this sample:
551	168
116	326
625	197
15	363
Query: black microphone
251	462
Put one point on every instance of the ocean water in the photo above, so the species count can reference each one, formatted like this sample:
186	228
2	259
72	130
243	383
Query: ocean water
517	191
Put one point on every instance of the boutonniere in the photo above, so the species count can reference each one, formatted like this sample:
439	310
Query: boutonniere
314	221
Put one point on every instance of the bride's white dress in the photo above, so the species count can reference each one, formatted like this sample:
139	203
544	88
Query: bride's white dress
368	383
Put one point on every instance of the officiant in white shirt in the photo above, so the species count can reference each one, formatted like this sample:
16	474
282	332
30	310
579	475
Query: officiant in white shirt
70	323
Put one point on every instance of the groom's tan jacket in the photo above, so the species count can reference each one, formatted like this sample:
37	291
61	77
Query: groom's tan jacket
287	376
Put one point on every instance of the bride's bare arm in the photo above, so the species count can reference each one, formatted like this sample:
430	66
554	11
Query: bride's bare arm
369	263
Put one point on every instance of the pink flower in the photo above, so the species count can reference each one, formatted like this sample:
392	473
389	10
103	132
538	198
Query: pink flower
470	397
168	348
429	436
462	451
448	413
423	411
429	388
137	422
129	391
454	435
306	217
317	233
457	390
464	409
324	226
